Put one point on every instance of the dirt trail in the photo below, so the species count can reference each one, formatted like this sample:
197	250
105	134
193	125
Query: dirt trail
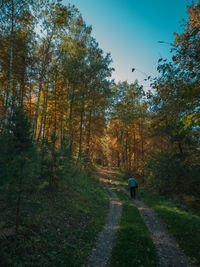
101	253
168	251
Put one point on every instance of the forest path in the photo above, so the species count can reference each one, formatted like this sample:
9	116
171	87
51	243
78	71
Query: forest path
101	253
168	251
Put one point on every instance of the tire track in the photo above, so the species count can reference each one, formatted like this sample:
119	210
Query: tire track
101	253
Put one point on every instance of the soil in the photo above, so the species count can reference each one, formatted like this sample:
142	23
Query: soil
168	251
101	253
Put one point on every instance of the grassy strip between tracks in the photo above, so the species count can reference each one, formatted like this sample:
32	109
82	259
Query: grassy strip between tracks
133	245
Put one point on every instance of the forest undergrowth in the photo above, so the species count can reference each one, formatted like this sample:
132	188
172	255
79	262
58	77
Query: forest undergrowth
58	228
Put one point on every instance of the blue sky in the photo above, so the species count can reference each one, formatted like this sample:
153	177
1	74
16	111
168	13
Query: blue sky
130	31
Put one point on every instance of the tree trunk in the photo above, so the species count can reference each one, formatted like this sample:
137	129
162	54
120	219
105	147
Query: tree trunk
89	133
38	104
62	131
129	158
121	149
180	148
126	149
81	133
10	64
45	116
42	117
134	150
55	109
70	120
41	83
142	148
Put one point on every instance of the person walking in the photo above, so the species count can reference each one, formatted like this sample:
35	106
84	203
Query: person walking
132	185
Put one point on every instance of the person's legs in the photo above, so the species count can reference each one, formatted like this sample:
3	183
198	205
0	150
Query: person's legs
133	192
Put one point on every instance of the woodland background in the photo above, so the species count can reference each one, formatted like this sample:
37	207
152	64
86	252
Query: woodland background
60	111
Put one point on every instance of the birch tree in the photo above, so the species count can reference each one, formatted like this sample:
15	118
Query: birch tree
12	14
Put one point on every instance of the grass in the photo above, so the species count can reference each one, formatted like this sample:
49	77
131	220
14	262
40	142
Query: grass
133	246
181	223
179	219
59	228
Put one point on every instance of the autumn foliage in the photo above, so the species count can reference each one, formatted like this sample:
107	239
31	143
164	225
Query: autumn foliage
57	93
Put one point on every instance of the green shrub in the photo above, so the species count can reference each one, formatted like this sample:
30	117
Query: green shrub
173	173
